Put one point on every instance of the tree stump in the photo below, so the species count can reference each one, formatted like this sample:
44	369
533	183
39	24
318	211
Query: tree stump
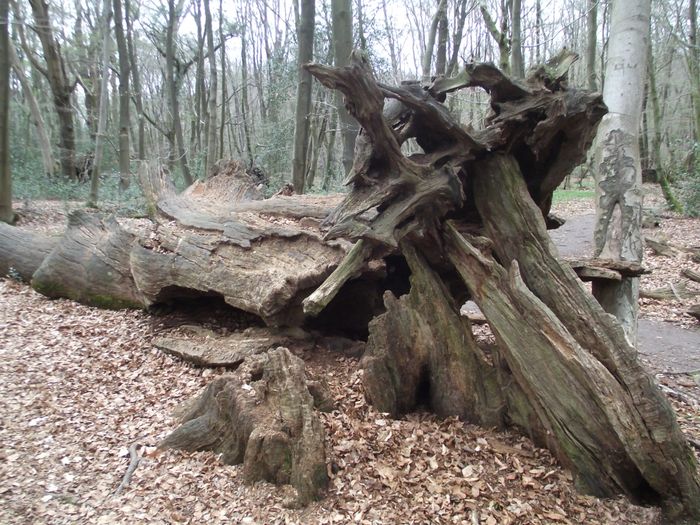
262	416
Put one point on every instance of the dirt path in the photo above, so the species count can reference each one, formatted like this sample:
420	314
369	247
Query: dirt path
667	347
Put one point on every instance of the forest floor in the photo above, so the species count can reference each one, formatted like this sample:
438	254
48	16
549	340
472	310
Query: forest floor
79	386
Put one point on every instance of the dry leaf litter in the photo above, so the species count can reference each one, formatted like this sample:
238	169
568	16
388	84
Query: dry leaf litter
80	386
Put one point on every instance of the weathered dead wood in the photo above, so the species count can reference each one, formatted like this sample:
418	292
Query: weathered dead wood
134	460
261	416
422	352
622	268
605	269
678	290
691	274
571	392
408	193
661	247
22	250
349	268
651	437
269	279
694	311
207	348
600	410
91	264
262	256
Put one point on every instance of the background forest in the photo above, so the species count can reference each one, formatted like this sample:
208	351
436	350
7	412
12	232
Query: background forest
96	87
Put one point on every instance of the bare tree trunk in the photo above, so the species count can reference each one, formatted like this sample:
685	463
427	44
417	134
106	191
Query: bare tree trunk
656	136
392	45
342	47
427	61
38	120
124	116
538	31
104	104
461	9
61	88
330	151
500	36
693	57
172	81
212	156
361	37
6	213
138	99
244	100
516	58
442	35
303	108
224	92
591	42
199	110
617	165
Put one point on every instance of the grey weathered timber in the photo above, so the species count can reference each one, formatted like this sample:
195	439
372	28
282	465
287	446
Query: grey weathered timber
579	387
23	250
262	416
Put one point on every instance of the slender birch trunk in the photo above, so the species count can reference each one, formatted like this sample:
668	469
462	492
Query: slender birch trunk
104	104
617	166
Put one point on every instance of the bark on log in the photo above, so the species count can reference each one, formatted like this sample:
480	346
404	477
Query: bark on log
22	250
91	264
599	410
677	291
651	437
206	348
660	247
694	311
422	352
691	274
620	268
261	256
262	416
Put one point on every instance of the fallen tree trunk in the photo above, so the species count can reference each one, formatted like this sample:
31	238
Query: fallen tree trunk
91	264
261	256
465	218
634	409
585	393
22	251
678	291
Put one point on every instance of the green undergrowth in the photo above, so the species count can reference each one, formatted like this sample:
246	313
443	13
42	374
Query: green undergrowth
29	183
571	195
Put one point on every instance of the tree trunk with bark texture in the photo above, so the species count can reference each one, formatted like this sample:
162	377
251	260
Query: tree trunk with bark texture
6	213
172	81
342	47
617	165
517	64
597	410
104	104
305	37
61	88
23	251
37	118
212	140
124	114
262	416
